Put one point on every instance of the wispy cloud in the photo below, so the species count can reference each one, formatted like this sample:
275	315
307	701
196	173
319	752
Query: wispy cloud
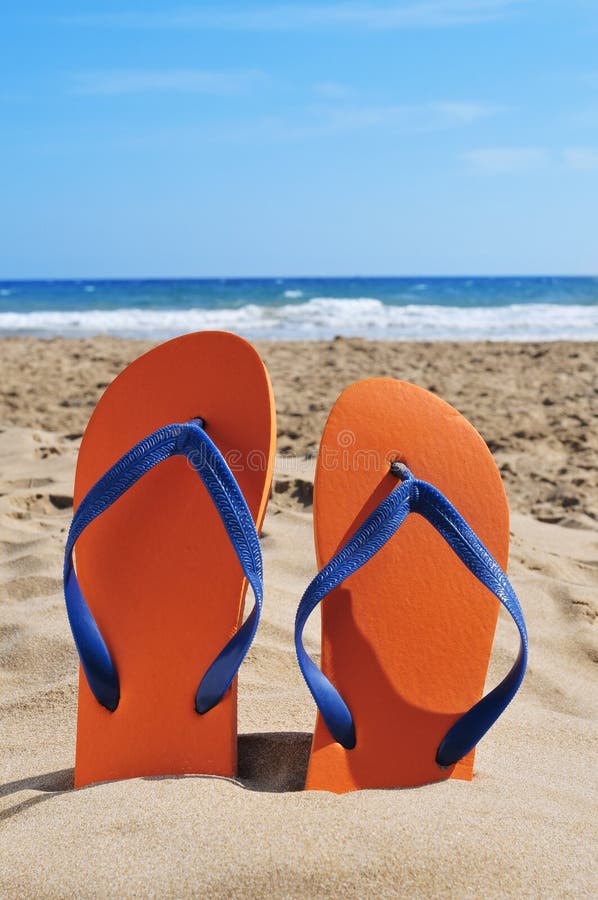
441	111
501	160
312	123
111	82
495	160
581	158
332	119
291	17
465	112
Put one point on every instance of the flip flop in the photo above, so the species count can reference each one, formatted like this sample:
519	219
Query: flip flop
163	557
408	619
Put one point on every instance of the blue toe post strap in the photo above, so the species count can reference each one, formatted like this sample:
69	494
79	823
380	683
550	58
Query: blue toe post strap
189	440
413	495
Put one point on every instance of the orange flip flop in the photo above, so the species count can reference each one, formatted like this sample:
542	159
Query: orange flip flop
408	618
163	557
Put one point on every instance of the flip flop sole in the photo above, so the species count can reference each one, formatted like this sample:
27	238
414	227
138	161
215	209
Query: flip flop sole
407	638
157	568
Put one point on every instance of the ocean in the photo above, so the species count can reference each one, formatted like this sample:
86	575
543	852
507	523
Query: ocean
517	309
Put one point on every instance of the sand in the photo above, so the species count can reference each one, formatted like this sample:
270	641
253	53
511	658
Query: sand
525	826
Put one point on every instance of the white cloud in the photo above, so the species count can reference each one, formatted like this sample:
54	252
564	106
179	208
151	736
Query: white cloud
581	158
466	112
316	122
453	112
290	17
497	160
136	81
407	118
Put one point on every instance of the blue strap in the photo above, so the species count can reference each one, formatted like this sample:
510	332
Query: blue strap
189	440
413	495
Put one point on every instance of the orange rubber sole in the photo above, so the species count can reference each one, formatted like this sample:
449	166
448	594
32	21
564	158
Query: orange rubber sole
407	638
157	569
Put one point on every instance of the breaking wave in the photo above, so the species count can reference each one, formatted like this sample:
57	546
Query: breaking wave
320	318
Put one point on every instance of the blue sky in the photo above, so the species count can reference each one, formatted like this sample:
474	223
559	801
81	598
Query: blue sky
417	137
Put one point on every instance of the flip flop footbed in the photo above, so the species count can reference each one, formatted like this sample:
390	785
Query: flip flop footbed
157	568
407	638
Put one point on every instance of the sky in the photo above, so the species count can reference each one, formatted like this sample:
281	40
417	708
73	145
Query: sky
423	137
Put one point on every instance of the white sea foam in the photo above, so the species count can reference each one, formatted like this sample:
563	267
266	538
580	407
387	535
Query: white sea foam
322	318
293	295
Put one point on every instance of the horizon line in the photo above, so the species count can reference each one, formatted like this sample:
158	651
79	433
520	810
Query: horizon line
225	278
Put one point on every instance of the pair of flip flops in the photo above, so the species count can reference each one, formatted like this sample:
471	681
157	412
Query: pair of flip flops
172	482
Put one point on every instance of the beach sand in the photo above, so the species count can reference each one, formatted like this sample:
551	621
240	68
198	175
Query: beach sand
525	826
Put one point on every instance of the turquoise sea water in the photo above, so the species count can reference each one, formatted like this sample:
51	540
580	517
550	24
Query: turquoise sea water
540	308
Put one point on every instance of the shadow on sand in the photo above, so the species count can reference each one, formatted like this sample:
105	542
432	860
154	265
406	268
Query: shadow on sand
269	762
